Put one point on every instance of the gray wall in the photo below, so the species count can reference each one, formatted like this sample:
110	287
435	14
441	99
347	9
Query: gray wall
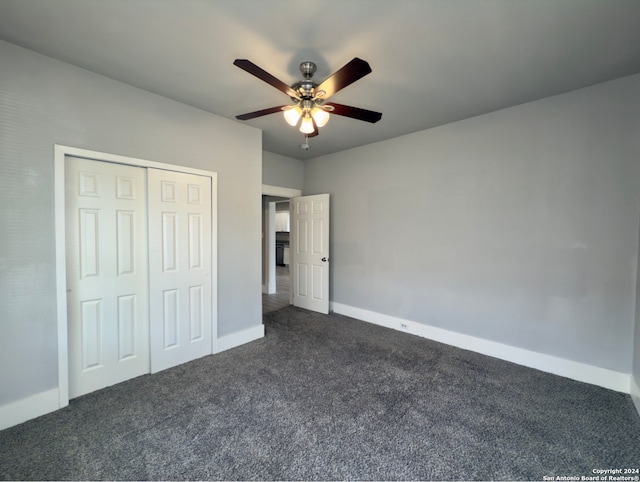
282	206
44	102
520	226
282	171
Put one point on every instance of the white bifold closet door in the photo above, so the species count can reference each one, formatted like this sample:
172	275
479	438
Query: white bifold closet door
139	279
179	267
106	244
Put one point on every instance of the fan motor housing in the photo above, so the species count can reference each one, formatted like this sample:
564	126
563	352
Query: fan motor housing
305	88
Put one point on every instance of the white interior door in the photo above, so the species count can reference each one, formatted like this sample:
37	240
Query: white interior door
310	252
180	286
106	252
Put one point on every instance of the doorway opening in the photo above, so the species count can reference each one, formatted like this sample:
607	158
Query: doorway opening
281	297
276	292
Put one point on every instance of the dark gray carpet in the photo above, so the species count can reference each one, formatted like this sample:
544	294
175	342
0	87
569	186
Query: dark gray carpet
331	398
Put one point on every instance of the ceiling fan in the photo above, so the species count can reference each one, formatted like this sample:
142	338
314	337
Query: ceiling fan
310	98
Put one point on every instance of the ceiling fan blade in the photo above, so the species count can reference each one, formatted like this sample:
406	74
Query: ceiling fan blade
260	113
355	112
352	71
315	129
265	76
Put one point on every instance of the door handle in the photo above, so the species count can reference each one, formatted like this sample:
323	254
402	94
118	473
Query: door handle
325	259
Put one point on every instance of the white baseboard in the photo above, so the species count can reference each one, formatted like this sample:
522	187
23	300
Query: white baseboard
635	393
620	382
239	338
14	413
27	408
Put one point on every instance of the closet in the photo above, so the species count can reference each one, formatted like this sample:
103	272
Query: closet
138	270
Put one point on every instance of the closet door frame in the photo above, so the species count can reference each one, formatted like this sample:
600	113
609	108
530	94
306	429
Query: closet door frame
60	154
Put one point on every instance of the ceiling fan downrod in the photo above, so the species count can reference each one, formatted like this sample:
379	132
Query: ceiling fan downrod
305	88
308	69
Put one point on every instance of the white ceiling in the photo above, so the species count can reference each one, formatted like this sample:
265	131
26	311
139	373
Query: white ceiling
433	61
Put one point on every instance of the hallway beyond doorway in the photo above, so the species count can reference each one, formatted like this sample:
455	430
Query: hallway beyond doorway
280	298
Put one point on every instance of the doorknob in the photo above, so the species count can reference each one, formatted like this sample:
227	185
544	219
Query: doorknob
325	259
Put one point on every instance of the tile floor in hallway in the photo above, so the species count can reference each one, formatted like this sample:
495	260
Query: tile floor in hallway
280	298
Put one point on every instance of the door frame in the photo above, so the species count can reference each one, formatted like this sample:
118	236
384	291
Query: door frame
269	243
60	154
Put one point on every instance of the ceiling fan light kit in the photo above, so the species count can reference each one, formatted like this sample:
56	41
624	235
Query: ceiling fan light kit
292	114
306	126
306	110
320	115
310	97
